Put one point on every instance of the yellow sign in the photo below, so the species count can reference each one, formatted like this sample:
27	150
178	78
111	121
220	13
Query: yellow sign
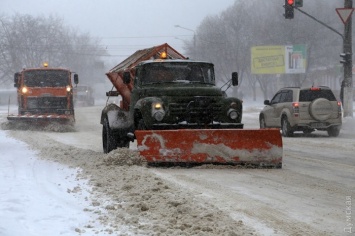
288	59
268	60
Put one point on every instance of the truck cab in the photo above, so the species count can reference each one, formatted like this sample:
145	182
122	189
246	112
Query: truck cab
44	94
173	94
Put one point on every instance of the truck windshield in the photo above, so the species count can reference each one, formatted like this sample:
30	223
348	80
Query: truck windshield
178	72
46	78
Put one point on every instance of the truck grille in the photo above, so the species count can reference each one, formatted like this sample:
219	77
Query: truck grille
196	110
47	103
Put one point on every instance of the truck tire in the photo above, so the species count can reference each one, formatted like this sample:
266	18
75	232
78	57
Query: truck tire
123	143
286	127
109	141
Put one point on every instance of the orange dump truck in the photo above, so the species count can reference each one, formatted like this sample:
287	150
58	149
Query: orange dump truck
172	107
44	95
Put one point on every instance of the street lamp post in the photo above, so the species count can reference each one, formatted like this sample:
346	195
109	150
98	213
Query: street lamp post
194	38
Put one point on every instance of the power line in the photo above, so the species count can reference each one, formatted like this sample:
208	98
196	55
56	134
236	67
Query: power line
142	37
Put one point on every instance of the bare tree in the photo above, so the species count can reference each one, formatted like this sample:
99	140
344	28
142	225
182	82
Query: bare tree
226	40
27	41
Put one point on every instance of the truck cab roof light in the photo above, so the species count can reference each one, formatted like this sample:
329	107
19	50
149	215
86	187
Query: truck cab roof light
163	55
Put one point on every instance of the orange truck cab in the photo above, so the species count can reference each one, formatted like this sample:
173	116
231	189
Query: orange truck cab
44	94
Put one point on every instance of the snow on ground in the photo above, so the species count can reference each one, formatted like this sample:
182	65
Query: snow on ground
39	197
127	198
46	192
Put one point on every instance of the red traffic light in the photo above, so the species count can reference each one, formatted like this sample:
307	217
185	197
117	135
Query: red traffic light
290	2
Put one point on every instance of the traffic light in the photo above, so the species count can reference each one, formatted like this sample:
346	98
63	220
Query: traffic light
289	9
346	58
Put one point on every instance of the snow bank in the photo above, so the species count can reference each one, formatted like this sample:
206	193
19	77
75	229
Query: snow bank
40	197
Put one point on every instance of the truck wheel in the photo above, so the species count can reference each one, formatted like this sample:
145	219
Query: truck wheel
123	143
109	141
333	131
286	128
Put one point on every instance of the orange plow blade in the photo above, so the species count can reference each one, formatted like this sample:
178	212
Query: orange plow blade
47	118
261	147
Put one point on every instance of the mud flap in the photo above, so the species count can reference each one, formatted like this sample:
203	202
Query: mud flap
262	147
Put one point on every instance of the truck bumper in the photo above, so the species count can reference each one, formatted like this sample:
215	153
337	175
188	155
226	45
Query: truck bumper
165	126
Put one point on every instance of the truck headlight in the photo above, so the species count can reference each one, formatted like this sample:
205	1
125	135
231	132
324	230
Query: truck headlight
233	114
157	111
24	90
68	88
158	115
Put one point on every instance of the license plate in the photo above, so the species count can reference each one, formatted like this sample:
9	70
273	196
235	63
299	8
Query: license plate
318	125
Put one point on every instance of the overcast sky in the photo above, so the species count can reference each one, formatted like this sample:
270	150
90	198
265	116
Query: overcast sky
125	25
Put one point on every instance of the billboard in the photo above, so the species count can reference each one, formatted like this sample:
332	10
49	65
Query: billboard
289	59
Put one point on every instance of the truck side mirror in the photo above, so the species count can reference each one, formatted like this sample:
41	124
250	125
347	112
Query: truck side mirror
234	78
76	79
16	79
126	77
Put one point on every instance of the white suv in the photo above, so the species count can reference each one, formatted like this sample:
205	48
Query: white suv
303	109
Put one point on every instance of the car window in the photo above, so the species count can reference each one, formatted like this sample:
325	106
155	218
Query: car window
289	96
286	96
308	95
276	98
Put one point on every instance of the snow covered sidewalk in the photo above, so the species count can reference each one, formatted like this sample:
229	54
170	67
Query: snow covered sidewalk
40	197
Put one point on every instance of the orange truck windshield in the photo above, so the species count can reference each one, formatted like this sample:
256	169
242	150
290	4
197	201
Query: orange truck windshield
46	78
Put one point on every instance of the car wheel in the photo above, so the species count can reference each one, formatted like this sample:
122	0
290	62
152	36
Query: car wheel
333	131
286	127
109	141
262	122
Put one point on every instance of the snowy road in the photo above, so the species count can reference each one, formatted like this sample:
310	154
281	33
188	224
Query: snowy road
38	196
308	196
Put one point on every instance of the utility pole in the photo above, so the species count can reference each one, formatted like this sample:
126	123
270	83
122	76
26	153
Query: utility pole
347	84
194	38
346	94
